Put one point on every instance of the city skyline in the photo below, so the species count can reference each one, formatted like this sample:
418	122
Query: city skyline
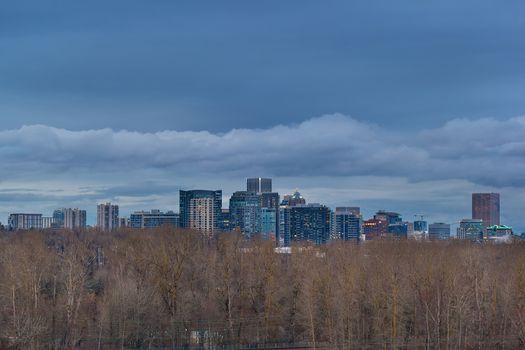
207	212
262	174
404	106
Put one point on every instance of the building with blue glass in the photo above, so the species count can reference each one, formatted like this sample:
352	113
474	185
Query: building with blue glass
348	223
269	223
245	213
310	223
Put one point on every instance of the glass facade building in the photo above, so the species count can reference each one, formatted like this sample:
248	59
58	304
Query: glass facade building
284	226
270	200
245	213
348	223
269	223
310	223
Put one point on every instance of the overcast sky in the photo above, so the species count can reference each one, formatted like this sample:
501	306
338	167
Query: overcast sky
400	105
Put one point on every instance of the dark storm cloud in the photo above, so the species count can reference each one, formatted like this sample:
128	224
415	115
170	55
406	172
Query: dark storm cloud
215	66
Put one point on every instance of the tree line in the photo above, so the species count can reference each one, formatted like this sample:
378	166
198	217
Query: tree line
169	288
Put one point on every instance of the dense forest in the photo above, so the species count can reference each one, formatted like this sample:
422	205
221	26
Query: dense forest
171	288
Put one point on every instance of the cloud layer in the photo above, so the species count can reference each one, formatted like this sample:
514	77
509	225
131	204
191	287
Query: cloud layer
487	151
332	159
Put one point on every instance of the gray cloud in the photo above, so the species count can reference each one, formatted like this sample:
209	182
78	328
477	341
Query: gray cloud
333	159
486	151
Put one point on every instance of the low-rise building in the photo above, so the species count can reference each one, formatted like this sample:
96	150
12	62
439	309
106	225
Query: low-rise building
22	221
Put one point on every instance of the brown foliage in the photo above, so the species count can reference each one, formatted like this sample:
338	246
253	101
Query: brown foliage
174	288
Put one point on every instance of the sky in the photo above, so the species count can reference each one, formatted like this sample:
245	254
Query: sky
403	105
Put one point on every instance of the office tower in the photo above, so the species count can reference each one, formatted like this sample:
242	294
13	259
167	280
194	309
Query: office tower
270	200
225	224
375	228
107	217
439	230
310	223
269	223
293	199
333	228
69	218
21	221
348	223
245	212
201	210
47	222
153	218
471	229
485	206
258	185
284	226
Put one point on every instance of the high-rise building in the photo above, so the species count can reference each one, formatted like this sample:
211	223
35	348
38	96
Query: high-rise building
153	218
348	223
439	230
270	200
258	185
269	223
69	218
21	221
245	212
485	206
310	223
201	210
471	229
107	217
284	226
